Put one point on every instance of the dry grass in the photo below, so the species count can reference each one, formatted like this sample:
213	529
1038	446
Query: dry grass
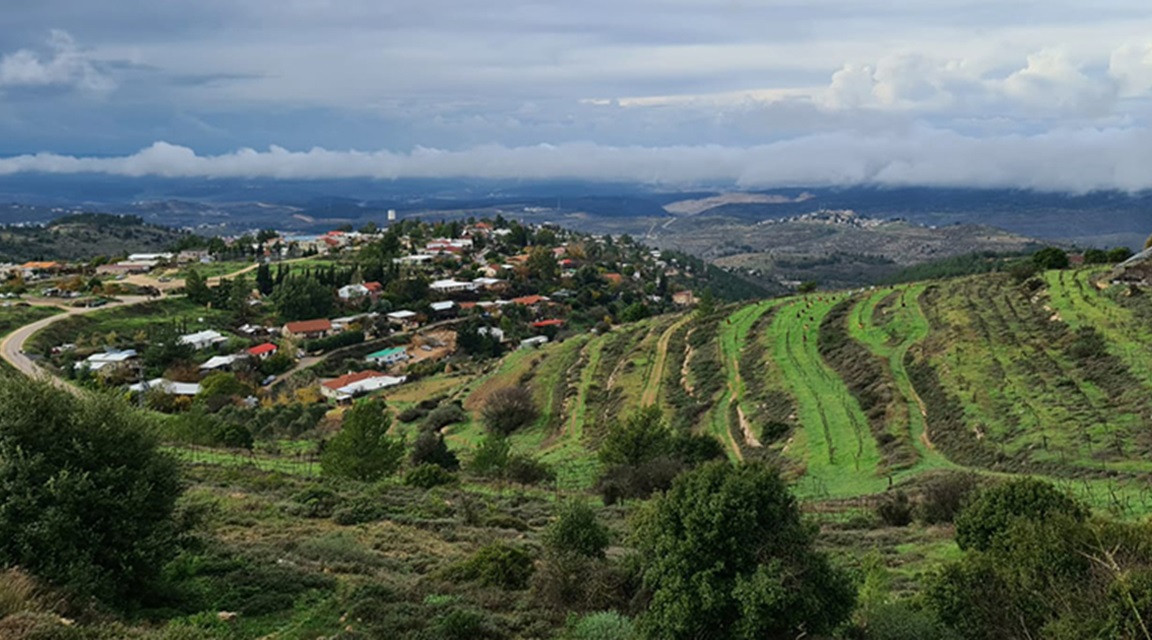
19	593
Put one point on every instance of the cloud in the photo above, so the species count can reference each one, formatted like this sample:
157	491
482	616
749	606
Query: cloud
1067	160
66	65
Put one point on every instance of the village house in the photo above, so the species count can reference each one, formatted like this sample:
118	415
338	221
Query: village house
307	329
443	309
202	339
405	318
108	360
351	385
262	351
222	363
39	268
534	343
451	286
166	386
387	357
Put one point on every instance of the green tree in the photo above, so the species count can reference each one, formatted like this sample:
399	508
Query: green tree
1119	254
363	450
302	298
223	384
993	510
87	500
1095	256
542	264
577	530
197	288
265	284
725	554
1050	258
641	437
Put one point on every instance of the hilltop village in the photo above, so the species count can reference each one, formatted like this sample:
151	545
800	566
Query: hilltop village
367	309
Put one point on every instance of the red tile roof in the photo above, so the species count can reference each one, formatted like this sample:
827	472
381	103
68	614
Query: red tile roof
349	378
261	349
548	323
529	300
309	326
374	287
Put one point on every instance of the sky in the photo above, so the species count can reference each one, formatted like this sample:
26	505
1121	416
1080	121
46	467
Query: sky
1047	95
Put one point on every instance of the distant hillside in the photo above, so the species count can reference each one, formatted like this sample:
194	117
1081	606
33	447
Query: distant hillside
84	236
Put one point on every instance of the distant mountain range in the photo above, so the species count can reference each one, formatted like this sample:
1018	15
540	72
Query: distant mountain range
232	205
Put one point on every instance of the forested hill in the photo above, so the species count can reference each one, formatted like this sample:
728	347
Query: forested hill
84	236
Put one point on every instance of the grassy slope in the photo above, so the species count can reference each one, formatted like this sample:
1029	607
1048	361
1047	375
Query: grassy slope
902	326
724	423
834	444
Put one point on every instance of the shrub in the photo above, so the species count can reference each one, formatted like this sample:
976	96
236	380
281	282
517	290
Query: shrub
901	620
523	469
445	415
491	456
430	448
509	409
577	530
460	624
894	509
993	510
640	481
358	511
315	502
943	496
411	414
603	625
497	565
427	476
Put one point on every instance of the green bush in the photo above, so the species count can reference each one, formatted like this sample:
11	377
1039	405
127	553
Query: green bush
427	476
430	448
496	565
901	620
894	509
509	409
602	625
577	530
444	415
346	339
358	511
524	469
411	414
315	502
491	456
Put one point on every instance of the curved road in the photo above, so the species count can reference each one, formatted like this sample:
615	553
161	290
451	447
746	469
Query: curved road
12	346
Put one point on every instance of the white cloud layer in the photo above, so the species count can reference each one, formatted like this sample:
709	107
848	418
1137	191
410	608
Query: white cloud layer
1066	160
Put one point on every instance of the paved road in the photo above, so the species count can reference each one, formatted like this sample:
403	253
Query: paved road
12	346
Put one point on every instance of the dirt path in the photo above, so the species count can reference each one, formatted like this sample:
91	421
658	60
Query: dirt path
652	387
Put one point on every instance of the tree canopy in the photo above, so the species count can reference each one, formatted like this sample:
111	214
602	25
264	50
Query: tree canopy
363	450
726	554
86	497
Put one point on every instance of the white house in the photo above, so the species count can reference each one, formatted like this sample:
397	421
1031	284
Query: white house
451	286
203	339
442	307
110	358
387	357
167	386
221	362
159	257
533	343
352	291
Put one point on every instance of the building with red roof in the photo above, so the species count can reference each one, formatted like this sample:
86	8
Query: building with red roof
543	324
308	329
262	350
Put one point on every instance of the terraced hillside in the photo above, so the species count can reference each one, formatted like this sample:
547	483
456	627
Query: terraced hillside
853	392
